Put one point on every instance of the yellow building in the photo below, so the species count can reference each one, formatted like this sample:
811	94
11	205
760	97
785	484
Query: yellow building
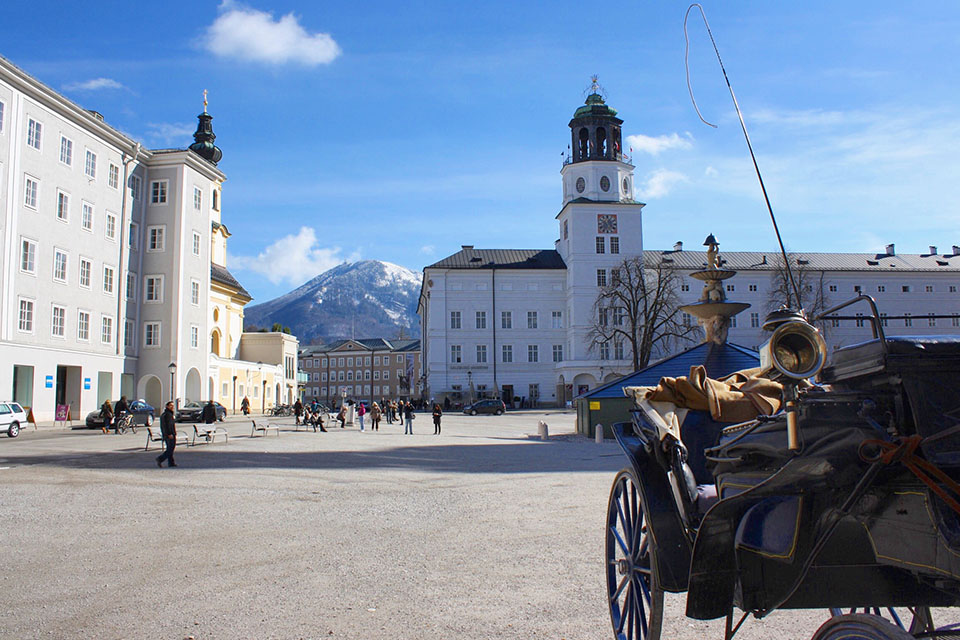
261	366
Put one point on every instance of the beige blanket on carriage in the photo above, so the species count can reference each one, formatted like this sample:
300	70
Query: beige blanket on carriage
738	397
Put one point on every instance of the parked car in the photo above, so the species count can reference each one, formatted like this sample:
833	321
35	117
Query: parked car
192	411
142	413
495	407
12	415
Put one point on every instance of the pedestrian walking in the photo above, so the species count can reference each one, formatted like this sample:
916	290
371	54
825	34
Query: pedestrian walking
436	418
361	411
408	416
342	415
297	410
106	412
245	406
168	428
209	413
375	414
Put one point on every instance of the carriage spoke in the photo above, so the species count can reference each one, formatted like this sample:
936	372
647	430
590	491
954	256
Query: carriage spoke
623	583
620	542
641	614
625	610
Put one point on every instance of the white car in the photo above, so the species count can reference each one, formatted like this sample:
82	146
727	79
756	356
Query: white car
12	416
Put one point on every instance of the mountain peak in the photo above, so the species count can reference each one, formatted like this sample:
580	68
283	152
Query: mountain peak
363	298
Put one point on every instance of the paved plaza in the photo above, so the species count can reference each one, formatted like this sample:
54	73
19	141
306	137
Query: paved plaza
482	532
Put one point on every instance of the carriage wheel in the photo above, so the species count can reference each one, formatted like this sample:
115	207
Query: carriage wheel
860	626
635	598
918	622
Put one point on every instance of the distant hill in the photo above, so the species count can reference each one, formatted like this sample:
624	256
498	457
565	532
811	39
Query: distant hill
364	299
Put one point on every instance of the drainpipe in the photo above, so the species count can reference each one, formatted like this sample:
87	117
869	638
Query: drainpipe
124	243
493	322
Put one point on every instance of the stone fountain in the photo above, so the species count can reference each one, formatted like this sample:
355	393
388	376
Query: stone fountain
712	311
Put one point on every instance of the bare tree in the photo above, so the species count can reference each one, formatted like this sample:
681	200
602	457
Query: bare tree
638	308
812	284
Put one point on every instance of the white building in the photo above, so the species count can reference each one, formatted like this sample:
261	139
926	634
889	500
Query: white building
105	279
515	322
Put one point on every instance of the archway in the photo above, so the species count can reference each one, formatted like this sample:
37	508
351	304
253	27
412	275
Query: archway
278	398
150	389
193	386
211	390
215	342
582	383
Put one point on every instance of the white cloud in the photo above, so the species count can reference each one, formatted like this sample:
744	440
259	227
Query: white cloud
710	172
428	249
171	132
93	85
654	145
661	182
293	258
255	36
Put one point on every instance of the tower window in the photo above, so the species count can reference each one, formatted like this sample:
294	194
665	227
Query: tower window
602	147
601	246
614	245
584	144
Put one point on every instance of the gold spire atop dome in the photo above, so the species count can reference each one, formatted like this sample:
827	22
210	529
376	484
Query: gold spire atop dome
204	100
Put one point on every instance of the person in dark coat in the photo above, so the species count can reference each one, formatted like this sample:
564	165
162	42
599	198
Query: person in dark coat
119	410
168	427
209	413
408	415
436	418
245	405
297	410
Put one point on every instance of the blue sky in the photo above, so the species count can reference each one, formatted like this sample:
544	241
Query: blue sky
399	131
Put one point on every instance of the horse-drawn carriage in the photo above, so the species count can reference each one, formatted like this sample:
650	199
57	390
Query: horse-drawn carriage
845	500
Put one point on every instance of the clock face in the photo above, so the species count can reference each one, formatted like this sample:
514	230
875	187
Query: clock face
606	223
581	185
605	183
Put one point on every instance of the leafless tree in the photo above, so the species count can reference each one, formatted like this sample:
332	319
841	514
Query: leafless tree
812	284
638	309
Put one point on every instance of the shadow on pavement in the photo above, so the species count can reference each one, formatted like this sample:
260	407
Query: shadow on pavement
478	458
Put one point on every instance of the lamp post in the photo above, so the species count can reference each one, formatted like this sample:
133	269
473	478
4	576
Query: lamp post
263	385
234	395
172	368
470	384
601	374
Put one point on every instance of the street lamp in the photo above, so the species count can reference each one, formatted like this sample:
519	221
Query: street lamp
172	368
263	384
234	395
470	384
601	374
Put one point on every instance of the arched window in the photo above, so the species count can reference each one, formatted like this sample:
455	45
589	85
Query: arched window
215	342
601	142
584	144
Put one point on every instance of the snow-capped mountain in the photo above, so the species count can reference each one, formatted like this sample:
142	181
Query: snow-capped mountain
366	299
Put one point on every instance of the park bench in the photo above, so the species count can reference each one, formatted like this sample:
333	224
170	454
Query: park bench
208	433
154	434
263	427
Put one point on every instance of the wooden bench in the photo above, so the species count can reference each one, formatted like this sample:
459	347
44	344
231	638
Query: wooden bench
154	434
264	428
208	433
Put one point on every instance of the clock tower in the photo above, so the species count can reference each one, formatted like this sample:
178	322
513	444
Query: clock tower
599	228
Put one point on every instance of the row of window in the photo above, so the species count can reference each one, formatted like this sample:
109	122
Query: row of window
602	244
881	288
61	259
860	321
313	363
26	323
506	353
350	375
377	390
506	320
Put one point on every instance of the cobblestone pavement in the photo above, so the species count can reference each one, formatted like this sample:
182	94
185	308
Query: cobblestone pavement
481	532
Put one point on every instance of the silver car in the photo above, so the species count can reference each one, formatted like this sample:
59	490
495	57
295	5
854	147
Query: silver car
12	416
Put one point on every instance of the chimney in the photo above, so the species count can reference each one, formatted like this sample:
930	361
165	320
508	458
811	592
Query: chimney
678	246
890	251
956	250
466	246
933	249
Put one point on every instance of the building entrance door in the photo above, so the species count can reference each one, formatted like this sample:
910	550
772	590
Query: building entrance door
507	396
68	388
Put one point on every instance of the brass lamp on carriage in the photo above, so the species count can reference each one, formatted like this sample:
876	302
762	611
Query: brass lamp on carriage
798	352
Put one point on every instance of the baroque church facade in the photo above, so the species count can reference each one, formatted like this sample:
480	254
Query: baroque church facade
515	323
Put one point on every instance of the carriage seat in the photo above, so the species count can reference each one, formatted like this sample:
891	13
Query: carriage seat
865	358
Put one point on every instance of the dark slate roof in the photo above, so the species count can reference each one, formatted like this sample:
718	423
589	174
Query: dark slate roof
221	275
743	261
501	259
719	361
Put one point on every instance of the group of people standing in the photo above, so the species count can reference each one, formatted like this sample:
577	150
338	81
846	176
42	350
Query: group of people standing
109	412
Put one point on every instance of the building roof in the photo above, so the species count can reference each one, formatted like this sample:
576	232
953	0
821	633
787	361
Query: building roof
718	359
221	275
769	260
365	344
470	258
